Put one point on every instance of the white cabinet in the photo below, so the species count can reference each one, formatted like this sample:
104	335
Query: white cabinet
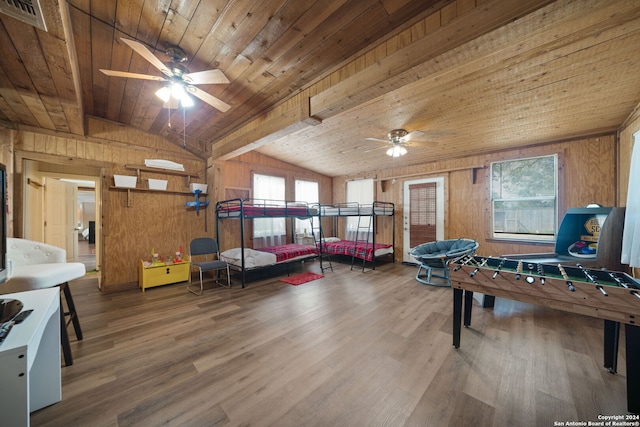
304	240
30	366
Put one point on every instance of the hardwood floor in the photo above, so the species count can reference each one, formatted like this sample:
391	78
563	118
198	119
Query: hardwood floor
351	349
86	255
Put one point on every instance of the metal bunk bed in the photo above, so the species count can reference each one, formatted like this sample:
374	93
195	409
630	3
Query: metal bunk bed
241	210
365	248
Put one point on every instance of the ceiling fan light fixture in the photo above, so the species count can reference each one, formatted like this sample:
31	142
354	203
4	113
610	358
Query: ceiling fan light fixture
396	151
177	90
164	93
186	101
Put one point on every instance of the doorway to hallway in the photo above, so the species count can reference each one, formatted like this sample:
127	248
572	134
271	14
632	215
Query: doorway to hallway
62	208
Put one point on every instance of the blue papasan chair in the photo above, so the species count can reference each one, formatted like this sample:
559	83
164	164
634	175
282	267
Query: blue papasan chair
437	255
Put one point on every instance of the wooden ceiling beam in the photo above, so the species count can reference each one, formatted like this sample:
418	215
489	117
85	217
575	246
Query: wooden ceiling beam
74	113
397	68
284	120
394	69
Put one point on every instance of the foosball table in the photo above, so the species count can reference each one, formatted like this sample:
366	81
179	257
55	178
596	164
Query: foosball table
608	295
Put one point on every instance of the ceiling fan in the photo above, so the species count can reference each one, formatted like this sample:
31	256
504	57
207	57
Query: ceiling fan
400	138
179	82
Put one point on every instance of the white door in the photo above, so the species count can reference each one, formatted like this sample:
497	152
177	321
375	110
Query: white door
423	219
59	215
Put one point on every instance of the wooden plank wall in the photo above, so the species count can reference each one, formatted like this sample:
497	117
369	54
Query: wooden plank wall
161	221
587	175
135	222
6	158
233	179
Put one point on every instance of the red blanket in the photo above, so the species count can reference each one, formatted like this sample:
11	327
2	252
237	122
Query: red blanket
360	250
287	252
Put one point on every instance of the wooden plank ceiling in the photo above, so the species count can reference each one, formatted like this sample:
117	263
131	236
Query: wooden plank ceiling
473	75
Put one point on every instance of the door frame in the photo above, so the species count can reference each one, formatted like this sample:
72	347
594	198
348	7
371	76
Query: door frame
440	213
24	174
98	205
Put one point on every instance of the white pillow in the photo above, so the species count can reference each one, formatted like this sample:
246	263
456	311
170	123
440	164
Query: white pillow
252	258
330	239
235	253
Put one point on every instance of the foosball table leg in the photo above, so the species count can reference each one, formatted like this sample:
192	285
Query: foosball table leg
632	341
468	305
488	301
611	340
457	316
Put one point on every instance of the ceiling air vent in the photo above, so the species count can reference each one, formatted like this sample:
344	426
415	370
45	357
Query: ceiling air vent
27	11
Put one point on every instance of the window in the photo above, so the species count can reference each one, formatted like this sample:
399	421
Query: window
306	191
360	191
269	231
423	210
524	198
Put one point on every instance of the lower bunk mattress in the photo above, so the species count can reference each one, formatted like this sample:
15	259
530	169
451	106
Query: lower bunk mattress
362	250
272	255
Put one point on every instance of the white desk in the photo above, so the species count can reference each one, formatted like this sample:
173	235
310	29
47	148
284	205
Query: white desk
30	371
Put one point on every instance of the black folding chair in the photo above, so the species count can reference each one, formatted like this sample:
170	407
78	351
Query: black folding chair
205	256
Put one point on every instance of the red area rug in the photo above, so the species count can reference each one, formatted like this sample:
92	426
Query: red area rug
301	278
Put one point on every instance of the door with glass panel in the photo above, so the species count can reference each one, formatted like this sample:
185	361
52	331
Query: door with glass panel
423	218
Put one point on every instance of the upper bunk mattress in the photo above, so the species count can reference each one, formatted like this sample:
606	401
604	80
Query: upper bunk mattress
257	209
357	209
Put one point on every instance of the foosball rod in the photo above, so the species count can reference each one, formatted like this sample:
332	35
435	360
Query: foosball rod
499	268
482	264
465	262
618	281
592	279
565	276
541	273
519	270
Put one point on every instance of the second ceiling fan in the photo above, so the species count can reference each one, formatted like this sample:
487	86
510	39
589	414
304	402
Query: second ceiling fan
179	82
399	138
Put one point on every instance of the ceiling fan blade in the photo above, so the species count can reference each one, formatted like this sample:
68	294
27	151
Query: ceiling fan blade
146	54
209	99
421	143
349	150
369	150
377	139
413	135
207	77
114	73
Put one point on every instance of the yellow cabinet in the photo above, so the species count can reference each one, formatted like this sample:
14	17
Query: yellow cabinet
158	274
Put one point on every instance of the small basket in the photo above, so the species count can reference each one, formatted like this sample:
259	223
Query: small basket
125	181
193	187
157	184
